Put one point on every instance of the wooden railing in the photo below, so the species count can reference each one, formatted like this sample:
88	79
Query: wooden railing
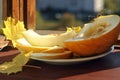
24	10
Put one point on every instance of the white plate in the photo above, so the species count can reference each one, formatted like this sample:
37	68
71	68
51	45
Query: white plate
74	60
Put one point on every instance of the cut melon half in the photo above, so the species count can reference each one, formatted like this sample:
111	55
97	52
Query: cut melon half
95	37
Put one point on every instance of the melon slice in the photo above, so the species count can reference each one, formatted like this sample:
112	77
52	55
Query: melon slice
62	55
49	40
54	52
25	46
95	37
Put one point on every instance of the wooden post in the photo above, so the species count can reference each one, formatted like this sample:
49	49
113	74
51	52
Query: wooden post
31	10
24	10
6	8
30	13
16	10
21	9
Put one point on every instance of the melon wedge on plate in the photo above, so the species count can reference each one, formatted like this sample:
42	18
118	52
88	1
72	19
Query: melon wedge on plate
25	46
62	55
49	40
95	37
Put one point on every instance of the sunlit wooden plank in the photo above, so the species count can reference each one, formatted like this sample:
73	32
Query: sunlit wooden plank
21	10
31	14
6	8
15	9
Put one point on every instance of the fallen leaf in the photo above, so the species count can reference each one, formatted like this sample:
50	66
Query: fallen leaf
16	64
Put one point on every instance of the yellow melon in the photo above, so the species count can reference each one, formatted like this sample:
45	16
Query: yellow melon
23	45
49	40
54	52
55	49
61	55
96	37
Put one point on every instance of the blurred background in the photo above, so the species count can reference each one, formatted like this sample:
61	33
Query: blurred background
59	14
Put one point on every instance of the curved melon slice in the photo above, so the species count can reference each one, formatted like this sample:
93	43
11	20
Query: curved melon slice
25	46
36	39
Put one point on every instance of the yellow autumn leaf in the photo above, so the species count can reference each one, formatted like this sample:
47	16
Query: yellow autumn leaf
16	64
13	29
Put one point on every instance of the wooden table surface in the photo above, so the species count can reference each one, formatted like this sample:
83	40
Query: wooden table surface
105	68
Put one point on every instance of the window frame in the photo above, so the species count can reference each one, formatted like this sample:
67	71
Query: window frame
24	10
